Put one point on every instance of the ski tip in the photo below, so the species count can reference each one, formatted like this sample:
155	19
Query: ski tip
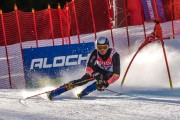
23	102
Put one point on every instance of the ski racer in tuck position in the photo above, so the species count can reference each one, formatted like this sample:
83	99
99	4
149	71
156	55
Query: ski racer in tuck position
103	66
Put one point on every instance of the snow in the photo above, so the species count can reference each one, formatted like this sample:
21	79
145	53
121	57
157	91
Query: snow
133	105
145	94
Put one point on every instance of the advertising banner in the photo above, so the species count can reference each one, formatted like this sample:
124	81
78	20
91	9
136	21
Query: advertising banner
149	10
160	9
53	61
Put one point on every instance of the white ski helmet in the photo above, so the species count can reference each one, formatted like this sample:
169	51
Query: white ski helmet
102	41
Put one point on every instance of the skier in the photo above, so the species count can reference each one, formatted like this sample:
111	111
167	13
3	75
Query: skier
102	66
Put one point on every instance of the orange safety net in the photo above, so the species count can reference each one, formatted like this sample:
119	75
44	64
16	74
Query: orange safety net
45	28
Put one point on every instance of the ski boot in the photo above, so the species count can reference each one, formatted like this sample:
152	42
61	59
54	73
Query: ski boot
49	96
80	96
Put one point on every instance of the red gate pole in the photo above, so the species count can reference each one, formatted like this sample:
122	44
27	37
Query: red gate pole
165	57
19	35
60	22
172	16
92	15
167	66
155	7
18	26
5	42
35	29
142	13
110	26
68	21
51	24
77	28
125	13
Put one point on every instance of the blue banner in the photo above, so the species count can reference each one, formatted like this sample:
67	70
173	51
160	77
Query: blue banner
52	61
160	9
149	10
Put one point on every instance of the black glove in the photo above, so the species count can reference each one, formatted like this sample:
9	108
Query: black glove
101	85
97	75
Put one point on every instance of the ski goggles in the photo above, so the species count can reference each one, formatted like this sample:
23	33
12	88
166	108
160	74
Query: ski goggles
102	47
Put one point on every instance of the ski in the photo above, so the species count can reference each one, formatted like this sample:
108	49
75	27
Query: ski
23	100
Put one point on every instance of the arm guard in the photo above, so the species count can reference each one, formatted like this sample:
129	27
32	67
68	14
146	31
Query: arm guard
89	70
113	78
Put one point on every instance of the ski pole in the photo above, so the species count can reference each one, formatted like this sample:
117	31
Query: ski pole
111	91
167	66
